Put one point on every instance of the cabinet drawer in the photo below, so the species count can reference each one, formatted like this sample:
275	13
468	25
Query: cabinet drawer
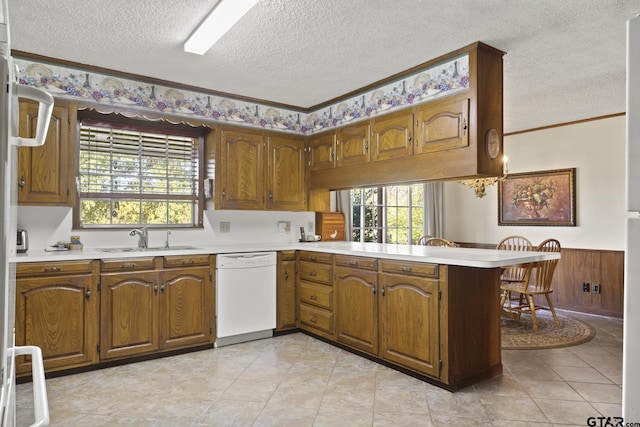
316	257
128	264
186	260
357	262
287	255
49	268
316	318
321	273
409	268
319	295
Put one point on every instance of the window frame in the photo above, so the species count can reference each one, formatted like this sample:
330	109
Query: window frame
381	206
118	121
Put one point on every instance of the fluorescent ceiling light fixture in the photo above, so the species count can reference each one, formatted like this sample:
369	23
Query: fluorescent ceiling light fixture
220	20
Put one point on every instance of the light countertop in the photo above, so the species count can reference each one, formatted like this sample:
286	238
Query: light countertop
467	257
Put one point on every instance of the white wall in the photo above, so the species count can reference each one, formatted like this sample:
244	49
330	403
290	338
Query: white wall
48	225
595	148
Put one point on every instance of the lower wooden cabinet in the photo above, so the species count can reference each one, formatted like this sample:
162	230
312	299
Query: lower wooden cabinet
357	306
410	322
57	306
161	307
315	293
286	291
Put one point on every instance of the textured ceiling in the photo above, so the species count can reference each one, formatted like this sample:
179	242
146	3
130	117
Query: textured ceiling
565	59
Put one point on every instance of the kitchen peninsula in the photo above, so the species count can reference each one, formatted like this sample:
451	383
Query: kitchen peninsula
430	312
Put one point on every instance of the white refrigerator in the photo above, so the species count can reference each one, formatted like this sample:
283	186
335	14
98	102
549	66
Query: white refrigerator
10	90
631	352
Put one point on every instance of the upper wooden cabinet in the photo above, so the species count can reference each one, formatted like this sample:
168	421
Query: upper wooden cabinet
286	173
442	126
43	172
322	148
241	168
352	145
260	171
457	136
392	136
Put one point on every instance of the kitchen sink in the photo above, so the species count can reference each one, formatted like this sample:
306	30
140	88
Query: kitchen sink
149	249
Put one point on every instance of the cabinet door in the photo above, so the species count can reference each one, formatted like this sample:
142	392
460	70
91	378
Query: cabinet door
129	314
357	308
286	182
59	315
186	307
241	165
442	126
322	151
392	136
286	294
352	145
409	322
42	171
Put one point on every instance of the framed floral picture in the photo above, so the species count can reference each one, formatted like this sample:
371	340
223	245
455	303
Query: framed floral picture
538	198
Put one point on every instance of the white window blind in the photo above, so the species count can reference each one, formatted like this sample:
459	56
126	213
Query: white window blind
150	171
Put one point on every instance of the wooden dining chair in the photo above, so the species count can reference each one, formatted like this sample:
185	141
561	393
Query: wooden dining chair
540	284
438	241
514	276
423	240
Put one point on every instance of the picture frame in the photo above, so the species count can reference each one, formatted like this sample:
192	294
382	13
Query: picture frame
544	198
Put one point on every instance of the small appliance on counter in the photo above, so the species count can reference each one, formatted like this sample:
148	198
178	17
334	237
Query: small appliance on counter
22	245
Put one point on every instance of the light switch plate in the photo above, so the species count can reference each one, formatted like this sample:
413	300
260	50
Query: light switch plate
225	227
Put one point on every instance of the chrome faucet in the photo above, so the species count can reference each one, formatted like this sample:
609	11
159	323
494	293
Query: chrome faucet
143	236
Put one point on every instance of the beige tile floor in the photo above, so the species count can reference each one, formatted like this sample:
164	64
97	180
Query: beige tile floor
295	380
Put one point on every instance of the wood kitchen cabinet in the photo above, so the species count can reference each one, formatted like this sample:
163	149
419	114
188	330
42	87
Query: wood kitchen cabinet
286	173
57	307
315	293
442	125
356	286
392	136
241	169
150	304
286	291
43	172
410	315
352	145
186	311
322	149
259	170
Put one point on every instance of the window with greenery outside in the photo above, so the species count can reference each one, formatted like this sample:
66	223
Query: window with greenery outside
393	214
131	176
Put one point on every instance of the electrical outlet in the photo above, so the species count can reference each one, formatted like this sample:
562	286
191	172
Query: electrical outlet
225	227
596	289
310	228
284	226
585	287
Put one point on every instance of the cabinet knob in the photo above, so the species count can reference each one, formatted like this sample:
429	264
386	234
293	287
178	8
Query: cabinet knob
50	269
314	320
224	192
155	287
128	265
374	290
382	291
22	183
270	195
313	297
162	286
88	293
313	273
464	127
286	275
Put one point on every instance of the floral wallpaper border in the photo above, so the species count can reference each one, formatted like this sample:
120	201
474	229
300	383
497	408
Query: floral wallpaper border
101	89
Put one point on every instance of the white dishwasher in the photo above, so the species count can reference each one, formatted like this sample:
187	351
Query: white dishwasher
245	297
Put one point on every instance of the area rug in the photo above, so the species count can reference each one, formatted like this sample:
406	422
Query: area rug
519	335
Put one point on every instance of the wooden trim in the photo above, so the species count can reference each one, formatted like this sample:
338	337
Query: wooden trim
608	116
